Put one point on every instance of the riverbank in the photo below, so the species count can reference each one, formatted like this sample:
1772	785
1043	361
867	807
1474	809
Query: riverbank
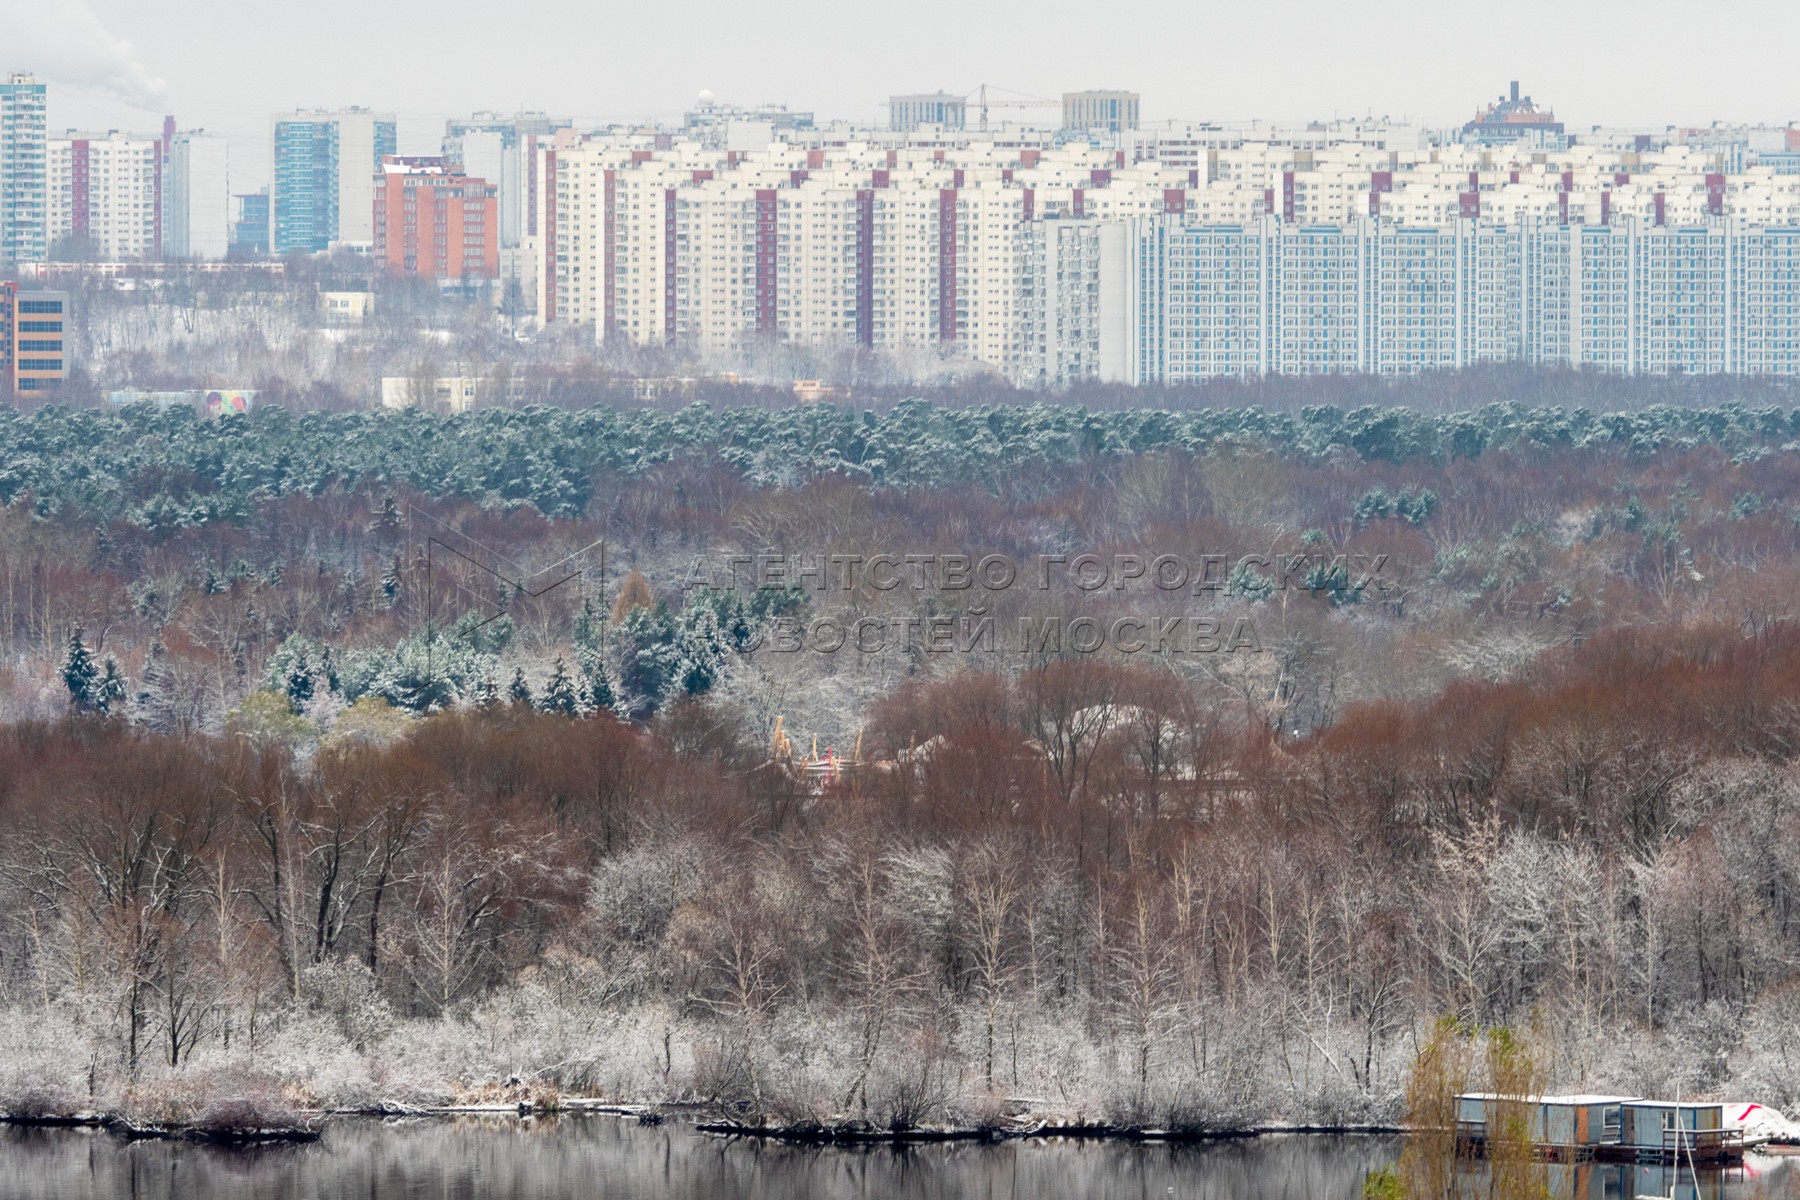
858	1134
538	1050
237	1122
132	1131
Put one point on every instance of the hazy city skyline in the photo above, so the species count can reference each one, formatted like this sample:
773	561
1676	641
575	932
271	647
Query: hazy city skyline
120	64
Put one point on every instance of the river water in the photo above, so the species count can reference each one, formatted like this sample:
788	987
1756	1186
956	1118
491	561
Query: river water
605	1157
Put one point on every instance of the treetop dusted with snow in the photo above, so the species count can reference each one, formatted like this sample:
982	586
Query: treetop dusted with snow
161	466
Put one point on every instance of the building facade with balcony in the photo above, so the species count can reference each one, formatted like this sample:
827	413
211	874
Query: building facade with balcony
325	167
24	187
433	221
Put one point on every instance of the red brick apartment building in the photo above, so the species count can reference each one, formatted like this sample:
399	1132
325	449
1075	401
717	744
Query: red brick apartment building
431	221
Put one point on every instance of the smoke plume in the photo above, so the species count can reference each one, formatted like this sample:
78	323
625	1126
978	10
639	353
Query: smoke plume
63	43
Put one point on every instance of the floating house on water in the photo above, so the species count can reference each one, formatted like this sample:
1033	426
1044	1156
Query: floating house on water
1582	1127
1668	1129
1561	1127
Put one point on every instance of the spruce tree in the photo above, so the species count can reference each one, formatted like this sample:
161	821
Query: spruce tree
700	654
80	675
518	691
587	627
597	690
387	525
299	682
559	693
110	691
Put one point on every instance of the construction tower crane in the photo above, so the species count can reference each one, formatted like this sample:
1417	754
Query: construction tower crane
1017	100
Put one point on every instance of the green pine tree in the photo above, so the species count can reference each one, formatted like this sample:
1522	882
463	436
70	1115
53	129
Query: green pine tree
387	526
110	691
80	675
299	682
587	627
559	694
597	690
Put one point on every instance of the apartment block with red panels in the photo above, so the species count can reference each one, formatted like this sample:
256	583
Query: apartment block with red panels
433	222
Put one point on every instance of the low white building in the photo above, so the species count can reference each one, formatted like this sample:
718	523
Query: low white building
346	308
447	394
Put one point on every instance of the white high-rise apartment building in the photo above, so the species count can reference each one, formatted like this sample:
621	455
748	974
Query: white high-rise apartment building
1051	265
817	227
503	151
717	307
1106	110
713	249
1630	297
24	197
197	198
105	195
363	137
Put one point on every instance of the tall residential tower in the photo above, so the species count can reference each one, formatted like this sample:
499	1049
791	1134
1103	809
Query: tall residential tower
197	198
326	164
105	192
24	199
503	151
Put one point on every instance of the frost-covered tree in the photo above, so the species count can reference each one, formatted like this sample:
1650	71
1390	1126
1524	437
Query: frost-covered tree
110	690
740	616
700	652
588	626
559	693
419	675
645	658
150	701
301	668
81	675
390	583
1246	581
597	692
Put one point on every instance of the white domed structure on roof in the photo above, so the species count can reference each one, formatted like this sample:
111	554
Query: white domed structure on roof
706	99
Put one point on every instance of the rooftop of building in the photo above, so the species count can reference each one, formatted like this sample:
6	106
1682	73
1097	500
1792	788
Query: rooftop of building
1513	110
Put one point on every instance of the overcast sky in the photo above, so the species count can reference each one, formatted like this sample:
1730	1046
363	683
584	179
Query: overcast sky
227	65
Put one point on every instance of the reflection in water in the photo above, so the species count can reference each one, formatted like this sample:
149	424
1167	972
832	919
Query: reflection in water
1625	1181
604	1158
